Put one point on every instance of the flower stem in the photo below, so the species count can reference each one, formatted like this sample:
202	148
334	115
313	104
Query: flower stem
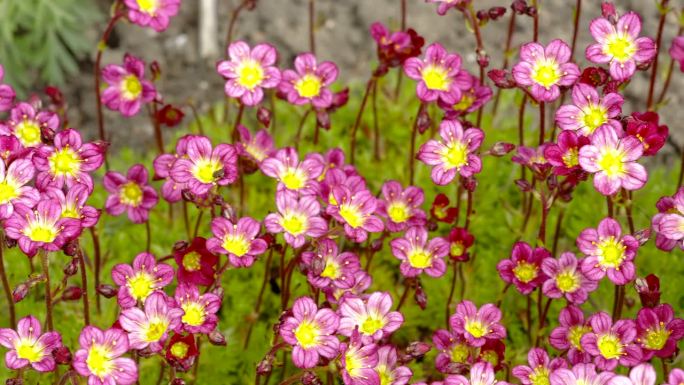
666	372
357	121
451	292
186	219
282	277
238	119
609	203
148	231
6	285
402	300
312	27
507	48
681	172
412	150
618	302
542	321
535	34
469	208
301	127
231	24
556	233
541	237
84	283
48	292
542	122
376	127
98	265
257	305
197	223
627	197
159	138
400	71
659	36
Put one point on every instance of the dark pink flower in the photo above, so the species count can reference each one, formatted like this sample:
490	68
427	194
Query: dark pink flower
477	326
204	167
127	89
249	71
99	357
7	93
28	346
589	111
373	318
358	362
608	252
439	75
524	268
256	147
14	188
564	155
388	370
137	281
568	334
659	331
130	193
453	350
151	327
238	240
539	369
646	128
460	241
669	221
196	265
153	13
612	343
309	82
401	206
418	255
676	51
565	279
328	268
471	100
27	124
545	69
297	217
394	48
293	175
355	211
199	309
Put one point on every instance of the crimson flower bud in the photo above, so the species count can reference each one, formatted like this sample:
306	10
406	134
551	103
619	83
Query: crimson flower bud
643	235
107	291
418	349
323	119
14	381
309	378
216	338
71	248
523	185
177	381
170	116
531	11
432	225
20	292
47	135
496	12
265	366
470	184
10	243
62	355
71	268
155	68
519	6
501	78
55	95
72	293
423	121
608	11
263	116
180	246
482	16
649	290
421	297
501	149
376	245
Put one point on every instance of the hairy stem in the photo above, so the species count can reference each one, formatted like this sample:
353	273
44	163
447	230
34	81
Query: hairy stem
357	121
507	48
376	126
231	25
6	285
659	37
84	283
451	292
312	26
48	292
412	148
257	305
98	265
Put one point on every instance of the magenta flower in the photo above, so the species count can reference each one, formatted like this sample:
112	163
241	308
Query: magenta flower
401	207
568	334
153	13
669	222
150	328
373	318
387	369
676	51
171	190
200	309
238	240
455	153
394	47
28	346
256	147
545	69
99	357
589	111
68	162
127	89
249	71
539	369
137	281
27	124
130	193
439	75
612	160
565	279
481	373
204	167
676	377
608	252
620	45
642	374
41	227
309	82
296	218
336	177
196	265
358	362
14	189
311	332
471	100
658	331
362	281
564	156
327	268
73	204
611	343
524	268
355	211
293	175
7	93
453	350
445	5
417	255
582	374
477	326
646	127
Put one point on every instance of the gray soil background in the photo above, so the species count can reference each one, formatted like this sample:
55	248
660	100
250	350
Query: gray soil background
342	36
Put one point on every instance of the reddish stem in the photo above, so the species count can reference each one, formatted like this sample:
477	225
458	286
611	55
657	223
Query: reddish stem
654	70
6	285
412	149
357	121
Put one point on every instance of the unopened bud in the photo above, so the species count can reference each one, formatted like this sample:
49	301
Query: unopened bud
47	135
310	378
72	293
323	119
107	291
519	6
62	355
523	185
265	366
643	235
177	381
608	11
263	116
470	184
155	68
418	349
531	11
71	267
20	292
180	246
649	290
501	149
421	297
482	16
216	338
501	78
423	121
10	243
496	12
376	245
14	381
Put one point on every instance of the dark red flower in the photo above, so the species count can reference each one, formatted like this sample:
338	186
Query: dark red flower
649	290
594	76
460	241
441	211
170	115
493	351
564	155
196	265
645	127
181	351
394	48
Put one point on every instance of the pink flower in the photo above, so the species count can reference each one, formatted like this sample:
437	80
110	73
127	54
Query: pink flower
150	328
358	362
524	268
199	309
417	255
401	207
153	13
582	374
608	252
238	240
41	227
564	156
545	69
14	189
130	193
455	153
620	45
296	218
171	190
659	331
646	128
539	369
395	47
28	346
256	147
99	357
676	51
137	281
642	374
68	162
453	350
27	124
249	71
566	279
612	160
355	211
611	343
471	100
669	222
362	281
127	88
7	93
311	332
481	373
676	377
589	111
309	82
204	167
293	175
477	326
387	368
73	204
326	268
373	318
439	75
568	334
445	5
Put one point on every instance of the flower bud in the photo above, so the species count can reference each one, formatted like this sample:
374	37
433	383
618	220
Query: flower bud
71	267
177	381
420	297
155	68
523	185
501	78
310	378
519	6
263	116
62	355
470	184
608	11
376	245
432	225
170	116
649	290
482	16
20	292
643	235
265	366
531	11
47	135
180	246
55	94
220	292
71	248
418	349
107	291
216	338
496	12
10	243
423	121
323	119
14	381
501	149
72	293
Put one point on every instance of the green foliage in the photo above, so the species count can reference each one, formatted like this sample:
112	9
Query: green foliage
44	35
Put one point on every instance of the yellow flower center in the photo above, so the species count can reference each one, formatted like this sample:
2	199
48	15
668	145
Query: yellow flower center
525	272
455	155
491	357
131	88
28	350
352	215
155	330
594	116
131	194
611	162
466	101
250	74
456	249
436	78
206	170
545	72
308	86
567	281
332	270
255	151
571	157
398	212
352	363
575	335
611	252
293	179
8	191
656	337
191	261
71	211
236	244
620	46
41	232
540	376
148	6
65	162
420	258
476	328
140	285
385	375
194	313
371	325
180	349
99	361
609	346
28	133
460	353
294	223
307	334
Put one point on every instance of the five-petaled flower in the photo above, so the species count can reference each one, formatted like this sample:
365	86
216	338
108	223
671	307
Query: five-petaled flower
28	346
139	280
99	357
130	193
608	252
373	317
238	240
439	75
153	13
249	71
545	69
477	326
127	89
296	218
309	82
151	327
417	255
589	111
